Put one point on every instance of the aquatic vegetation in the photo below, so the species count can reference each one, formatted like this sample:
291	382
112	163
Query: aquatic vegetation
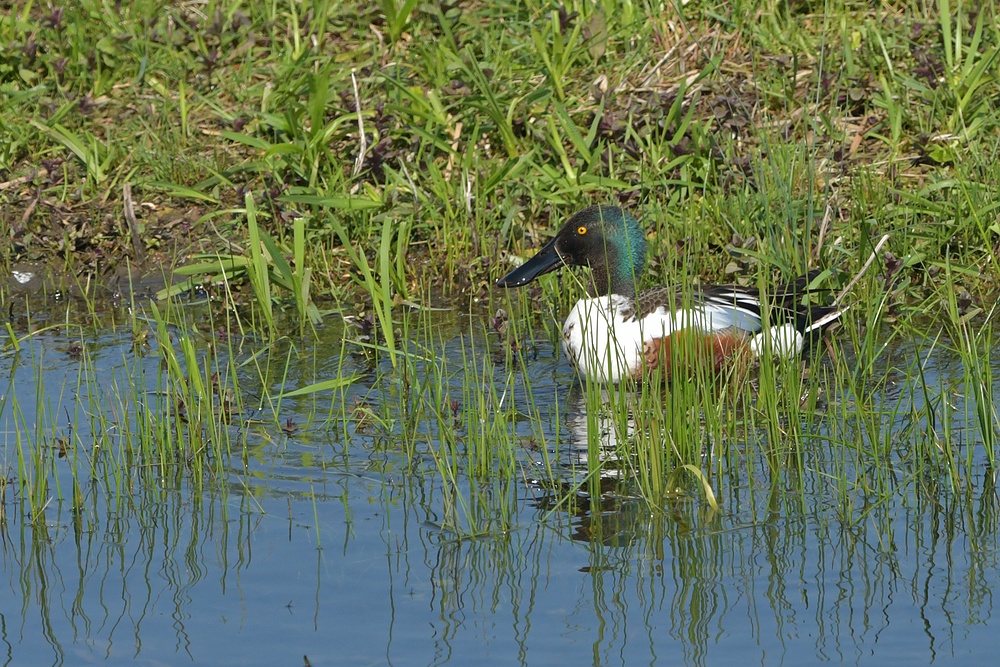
324	412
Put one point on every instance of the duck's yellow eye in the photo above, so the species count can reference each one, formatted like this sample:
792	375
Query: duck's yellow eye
581	230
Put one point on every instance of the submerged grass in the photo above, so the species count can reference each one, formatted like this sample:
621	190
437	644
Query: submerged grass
179	406
384	156
469	412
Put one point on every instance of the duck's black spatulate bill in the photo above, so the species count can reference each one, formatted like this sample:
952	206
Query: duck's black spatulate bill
547	259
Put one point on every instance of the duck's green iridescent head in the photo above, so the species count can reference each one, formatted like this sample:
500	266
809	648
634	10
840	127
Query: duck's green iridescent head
605	238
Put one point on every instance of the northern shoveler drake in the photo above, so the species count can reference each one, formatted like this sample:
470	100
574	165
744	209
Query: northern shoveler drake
617	332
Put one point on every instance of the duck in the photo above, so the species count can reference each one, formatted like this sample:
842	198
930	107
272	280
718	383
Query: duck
617	332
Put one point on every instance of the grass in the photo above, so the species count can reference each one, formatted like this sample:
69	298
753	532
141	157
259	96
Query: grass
304	162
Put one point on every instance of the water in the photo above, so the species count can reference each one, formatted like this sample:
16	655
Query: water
337	544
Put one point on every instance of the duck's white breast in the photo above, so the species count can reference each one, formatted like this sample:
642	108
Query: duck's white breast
604	341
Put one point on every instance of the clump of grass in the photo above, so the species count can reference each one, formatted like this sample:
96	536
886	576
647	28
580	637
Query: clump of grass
178	409
456	136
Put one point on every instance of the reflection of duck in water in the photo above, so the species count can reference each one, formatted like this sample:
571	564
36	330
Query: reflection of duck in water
618	332
600	497
607	431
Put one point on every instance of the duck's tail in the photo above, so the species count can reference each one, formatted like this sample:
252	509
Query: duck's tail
811	319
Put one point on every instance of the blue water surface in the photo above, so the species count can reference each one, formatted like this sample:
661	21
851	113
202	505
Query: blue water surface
337	543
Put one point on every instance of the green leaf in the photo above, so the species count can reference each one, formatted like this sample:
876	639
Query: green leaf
182	191
246	140
598	29
326	385
345	203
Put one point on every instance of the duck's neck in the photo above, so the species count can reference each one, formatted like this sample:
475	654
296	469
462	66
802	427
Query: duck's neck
617	275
